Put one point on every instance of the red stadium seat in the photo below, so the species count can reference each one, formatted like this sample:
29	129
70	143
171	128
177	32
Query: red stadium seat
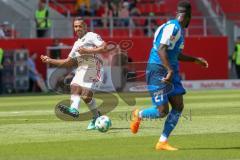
232	9
141	8
160	21
148	8
71	8
167	7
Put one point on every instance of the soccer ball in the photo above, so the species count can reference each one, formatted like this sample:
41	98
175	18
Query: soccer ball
103	123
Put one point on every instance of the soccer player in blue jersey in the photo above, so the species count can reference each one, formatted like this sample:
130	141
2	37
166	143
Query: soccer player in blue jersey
166	53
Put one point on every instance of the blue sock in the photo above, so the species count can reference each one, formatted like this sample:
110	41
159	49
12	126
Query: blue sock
151	113
171	122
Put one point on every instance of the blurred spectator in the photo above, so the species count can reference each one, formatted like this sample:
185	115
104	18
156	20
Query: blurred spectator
7	29
94	6
150	25
101	10
83	7
135	11
132	4
2	34
108	13
124	14
42	20
116	3
1	68
114	11
236	57
35	78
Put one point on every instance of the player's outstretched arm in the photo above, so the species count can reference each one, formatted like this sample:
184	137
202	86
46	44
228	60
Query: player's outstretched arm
100	49
196	60
68	62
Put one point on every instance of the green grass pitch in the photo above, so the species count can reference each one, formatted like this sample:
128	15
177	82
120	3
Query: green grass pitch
209	129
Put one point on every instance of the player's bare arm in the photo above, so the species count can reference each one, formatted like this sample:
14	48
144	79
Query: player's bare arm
163	56
100	49
196	60
68	62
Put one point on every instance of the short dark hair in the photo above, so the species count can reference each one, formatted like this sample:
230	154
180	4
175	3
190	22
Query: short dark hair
78	19
186	5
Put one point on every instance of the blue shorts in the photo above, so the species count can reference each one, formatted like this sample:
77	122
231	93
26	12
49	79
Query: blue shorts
154	74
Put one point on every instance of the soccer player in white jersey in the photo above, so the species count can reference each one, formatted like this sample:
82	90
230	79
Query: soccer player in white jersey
163	67
88	44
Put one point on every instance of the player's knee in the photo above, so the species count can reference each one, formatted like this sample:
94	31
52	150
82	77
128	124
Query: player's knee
87	97
164	114
163	111
75	90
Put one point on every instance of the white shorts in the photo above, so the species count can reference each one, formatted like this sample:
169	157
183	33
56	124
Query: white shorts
88	78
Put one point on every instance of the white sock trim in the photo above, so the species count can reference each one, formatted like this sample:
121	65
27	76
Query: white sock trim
140	114
163	138
75	101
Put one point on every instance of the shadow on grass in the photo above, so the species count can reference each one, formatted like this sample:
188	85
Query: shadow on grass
120	128
209	148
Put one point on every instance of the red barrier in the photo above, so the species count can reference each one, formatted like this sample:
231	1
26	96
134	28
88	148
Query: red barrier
214	49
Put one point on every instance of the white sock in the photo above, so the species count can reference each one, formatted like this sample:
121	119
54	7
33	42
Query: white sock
163	138
140	114
75	101
93	108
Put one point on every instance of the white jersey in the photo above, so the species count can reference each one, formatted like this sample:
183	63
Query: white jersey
89	68
89	40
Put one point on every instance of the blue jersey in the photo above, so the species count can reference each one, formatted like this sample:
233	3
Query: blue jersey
172	35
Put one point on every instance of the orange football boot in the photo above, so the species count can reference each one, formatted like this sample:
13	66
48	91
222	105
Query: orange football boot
164	146
135	121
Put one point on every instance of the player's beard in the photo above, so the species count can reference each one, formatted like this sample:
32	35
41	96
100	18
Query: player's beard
80	34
